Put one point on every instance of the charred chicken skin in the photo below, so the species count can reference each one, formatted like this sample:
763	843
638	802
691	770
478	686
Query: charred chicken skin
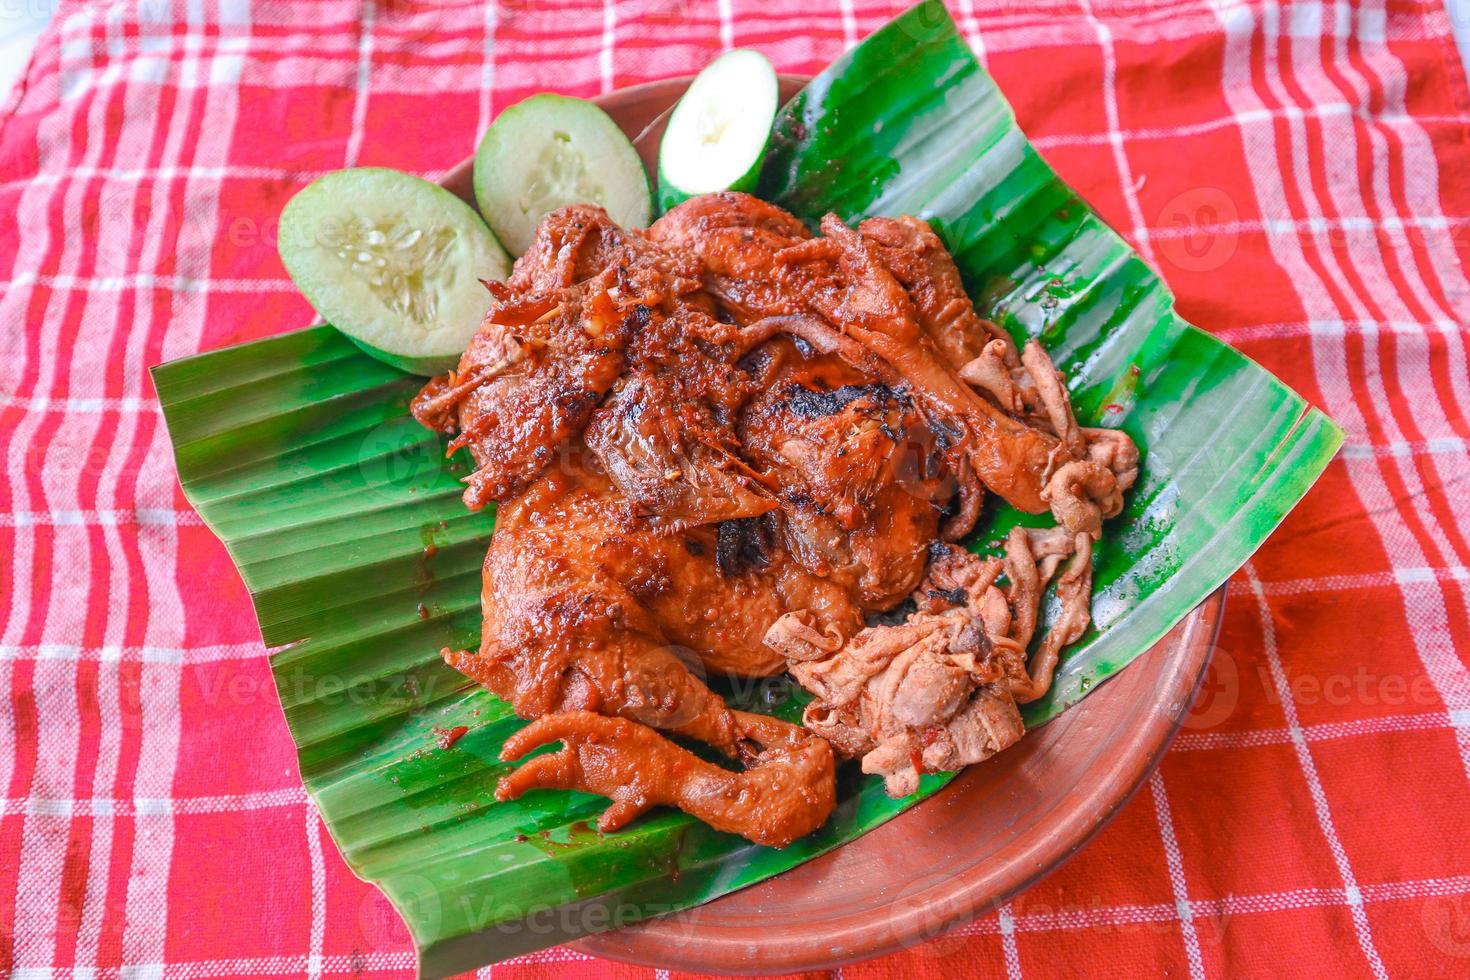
722	445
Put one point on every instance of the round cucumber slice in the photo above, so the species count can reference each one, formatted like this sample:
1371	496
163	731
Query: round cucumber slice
717	134
549	151
394	262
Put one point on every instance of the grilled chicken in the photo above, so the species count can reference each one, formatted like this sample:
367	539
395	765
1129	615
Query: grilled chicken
720	446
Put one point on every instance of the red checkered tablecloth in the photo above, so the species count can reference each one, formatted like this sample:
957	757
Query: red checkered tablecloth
1297	172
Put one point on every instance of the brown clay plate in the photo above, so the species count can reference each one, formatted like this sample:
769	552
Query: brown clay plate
996	830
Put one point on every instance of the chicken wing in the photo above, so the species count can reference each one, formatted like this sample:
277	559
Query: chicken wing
916	257
552	345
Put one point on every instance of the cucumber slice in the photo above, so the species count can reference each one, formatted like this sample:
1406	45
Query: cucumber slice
717	135
394	262
549	151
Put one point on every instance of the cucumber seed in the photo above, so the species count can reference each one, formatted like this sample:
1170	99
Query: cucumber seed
406	268
561	179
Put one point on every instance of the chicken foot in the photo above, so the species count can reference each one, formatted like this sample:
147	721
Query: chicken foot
786	791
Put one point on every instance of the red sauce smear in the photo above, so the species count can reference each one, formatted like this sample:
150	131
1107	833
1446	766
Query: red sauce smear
446	737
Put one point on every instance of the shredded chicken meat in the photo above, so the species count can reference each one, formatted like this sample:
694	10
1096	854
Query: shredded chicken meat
724	445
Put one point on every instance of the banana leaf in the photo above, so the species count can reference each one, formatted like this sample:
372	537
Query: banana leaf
344	518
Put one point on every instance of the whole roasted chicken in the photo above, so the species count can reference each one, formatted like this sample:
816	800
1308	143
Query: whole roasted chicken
723	445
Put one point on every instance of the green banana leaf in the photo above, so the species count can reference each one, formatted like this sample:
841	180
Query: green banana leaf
345	521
